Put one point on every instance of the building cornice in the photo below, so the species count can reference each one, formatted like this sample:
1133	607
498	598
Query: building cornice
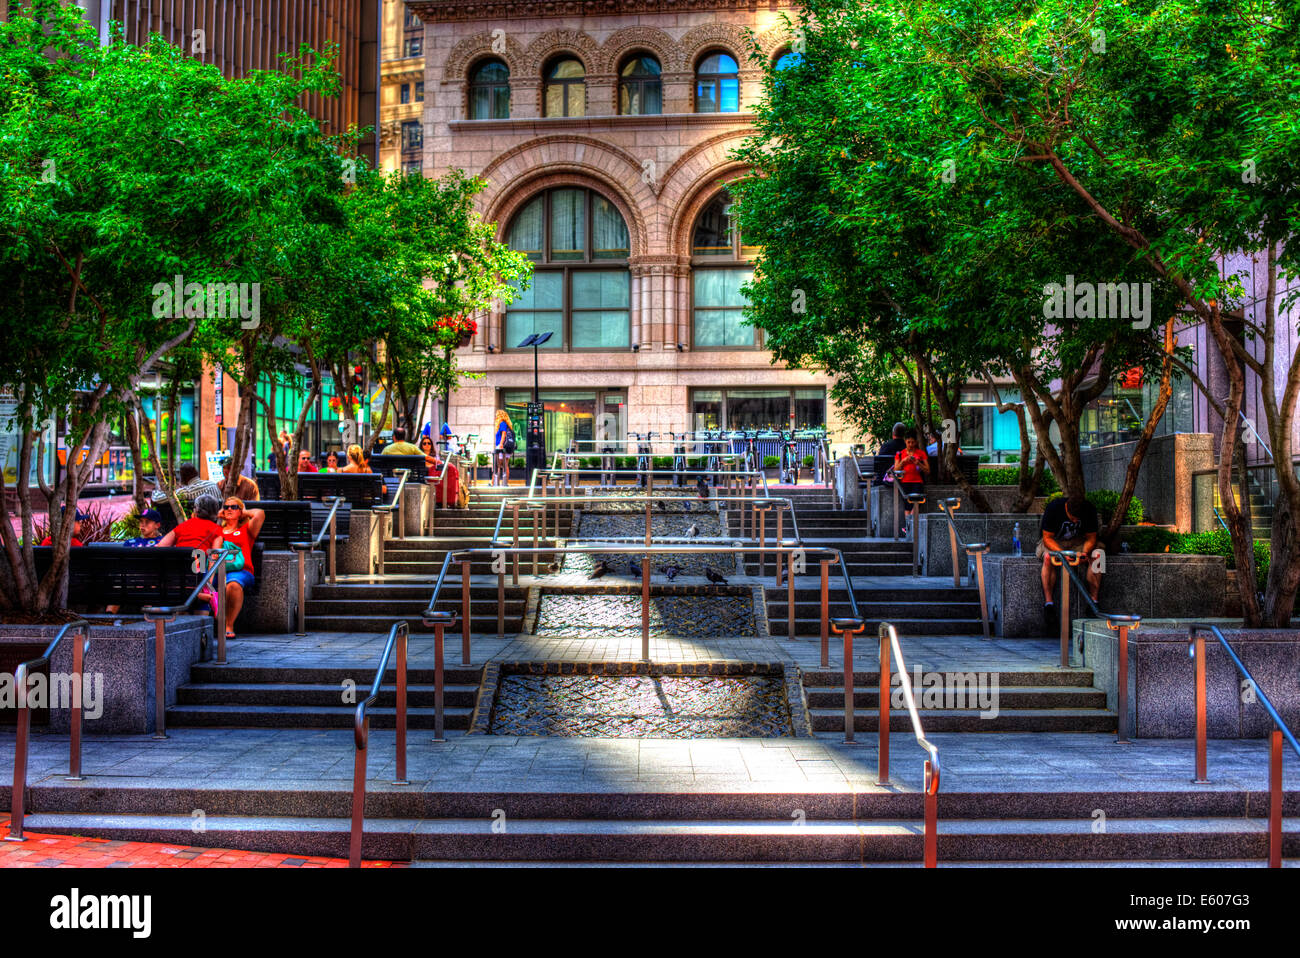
442	11
540	126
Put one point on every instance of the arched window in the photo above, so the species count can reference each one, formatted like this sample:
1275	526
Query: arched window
787	60
719	267
489	91
566	89
717	84
580	290
640	90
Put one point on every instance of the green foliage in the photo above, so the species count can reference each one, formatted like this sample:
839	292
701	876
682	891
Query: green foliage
483	459
1153	539
1010	476
771	462
807	462
1105	501
1218	543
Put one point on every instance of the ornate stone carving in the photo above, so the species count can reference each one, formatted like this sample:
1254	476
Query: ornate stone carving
731	37
621	42
562	41
479	46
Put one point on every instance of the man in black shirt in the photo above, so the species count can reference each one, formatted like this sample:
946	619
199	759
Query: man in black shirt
1070	524
891	447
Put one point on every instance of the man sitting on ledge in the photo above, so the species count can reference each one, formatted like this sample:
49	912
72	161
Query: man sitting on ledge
1069	524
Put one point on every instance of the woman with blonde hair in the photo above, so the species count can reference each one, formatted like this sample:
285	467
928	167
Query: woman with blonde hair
355	462
504	446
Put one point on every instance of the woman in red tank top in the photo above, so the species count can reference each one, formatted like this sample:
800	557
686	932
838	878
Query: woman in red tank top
240	526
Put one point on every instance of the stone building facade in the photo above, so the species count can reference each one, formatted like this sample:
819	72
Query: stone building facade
614	111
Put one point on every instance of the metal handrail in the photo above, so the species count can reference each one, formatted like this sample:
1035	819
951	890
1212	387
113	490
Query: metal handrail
159	615
974	549
397	637
1279	734
889	642
1122	622
80	627
398	505
1258	438
330	525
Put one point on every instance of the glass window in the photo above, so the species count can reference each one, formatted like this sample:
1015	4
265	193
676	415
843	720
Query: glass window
716	231
412	135
413	47
588	308
809	408
406	93
758	409
419	91
717	84
489	91
706	409
412	20
412	167
566	89
640	90
719	308
600	309
568	224
538	309
788	60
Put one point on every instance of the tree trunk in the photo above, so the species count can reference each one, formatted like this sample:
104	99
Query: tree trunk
164	480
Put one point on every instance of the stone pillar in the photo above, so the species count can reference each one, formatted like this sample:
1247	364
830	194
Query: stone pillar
677	92
359	553
525	97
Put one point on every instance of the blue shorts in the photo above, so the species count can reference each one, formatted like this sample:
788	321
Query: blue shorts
243	577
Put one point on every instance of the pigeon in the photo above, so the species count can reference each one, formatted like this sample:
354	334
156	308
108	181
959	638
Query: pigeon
670	572
635	569
659	504
599	571
686	505
703	487
715	577
553	567
693	531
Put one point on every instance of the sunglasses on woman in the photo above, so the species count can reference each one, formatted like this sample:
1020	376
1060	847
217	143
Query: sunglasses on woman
228	507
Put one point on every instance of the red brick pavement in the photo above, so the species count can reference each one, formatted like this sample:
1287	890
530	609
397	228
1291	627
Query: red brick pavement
75	851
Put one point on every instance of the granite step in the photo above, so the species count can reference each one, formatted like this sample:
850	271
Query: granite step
332	676
307	716
1008	698
971	720
912	627
296	694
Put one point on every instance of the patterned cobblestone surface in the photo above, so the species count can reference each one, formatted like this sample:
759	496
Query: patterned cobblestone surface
619	616
650	706
598	526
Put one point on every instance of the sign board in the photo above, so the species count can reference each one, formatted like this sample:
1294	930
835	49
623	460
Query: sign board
214	464
217	404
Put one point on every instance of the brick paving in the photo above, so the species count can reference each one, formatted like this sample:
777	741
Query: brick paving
75	851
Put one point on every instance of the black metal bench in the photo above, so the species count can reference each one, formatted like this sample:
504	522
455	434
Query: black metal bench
361	490
285	523
268	484
387	466
129	577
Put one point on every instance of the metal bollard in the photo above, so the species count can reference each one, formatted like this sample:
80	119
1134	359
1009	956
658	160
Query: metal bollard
464	611
402	635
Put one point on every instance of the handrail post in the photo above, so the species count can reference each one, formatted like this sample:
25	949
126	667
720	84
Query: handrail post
762	538
1275	798
931	818
789	601
402	635
952	542
501	605
384	518
16	810
538	516
645	605
160	679
334	528
438	639
465	610
401	506
358	798
848	628
780	514
882	751
221	609
1198	655
1062	559
984	598
826	619
514	541
898	505
1122	689
302	592
79	645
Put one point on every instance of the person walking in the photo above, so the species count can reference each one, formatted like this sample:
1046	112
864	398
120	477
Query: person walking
504	446
911	466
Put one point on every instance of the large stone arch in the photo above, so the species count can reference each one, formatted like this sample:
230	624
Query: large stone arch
731	37
517	175
658	42
694	198
773	40
479	47
580	44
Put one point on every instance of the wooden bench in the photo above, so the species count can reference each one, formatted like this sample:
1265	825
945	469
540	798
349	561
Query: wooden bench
131	578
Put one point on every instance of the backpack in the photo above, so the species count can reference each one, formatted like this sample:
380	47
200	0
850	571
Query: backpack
508	442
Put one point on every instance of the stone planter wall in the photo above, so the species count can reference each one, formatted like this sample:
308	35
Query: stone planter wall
1161	696
360	553
121	667
275	607
993	529
1152	586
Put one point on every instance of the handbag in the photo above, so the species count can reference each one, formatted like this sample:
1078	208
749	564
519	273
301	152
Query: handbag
233	555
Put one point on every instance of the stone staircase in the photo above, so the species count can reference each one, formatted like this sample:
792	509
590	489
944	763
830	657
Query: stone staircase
234	696
829	827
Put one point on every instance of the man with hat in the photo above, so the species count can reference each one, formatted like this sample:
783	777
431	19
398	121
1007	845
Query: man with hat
76	529
150	530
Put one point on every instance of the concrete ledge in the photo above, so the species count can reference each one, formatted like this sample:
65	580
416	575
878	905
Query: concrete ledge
413	496
993	528
1152	586
120	668
1161	696
275	607
360	553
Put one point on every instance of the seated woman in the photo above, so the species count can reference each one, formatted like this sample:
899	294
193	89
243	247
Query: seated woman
199	531
356	462
331	462
431	461
240	526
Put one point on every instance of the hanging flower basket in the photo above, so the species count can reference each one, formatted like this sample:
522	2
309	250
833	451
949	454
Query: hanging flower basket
457	329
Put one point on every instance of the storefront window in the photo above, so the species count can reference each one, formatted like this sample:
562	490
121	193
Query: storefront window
571	415
762	409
